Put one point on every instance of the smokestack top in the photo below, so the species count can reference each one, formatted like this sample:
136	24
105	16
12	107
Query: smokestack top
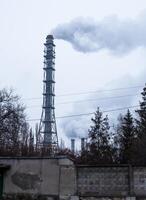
50	37
49	40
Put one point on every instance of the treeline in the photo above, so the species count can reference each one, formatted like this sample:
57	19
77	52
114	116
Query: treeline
123	143
16	136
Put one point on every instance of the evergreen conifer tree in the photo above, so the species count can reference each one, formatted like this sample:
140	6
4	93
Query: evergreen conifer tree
99	139
141	120
141	129
126	138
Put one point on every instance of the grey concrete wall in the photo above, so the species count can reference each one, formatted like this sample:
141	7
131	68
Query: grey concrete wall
139	181
107	198
111	181
67	181
60	178
103	181
39	176
32	176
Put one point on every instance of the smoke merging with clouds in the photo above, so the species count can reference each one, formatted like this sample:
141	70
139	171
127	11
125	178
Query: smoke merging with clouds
118	36
78	127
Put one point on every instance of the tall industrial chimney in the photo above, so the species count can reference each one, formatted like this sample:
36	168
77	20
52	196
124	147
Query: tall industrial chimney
48	130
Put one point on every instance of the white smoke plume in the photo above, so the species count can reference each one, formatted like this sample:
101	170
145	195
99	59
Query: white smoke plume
118	36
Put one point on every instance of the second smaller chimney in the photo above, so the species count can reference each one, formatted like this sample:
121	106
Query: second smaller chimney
82	144
73	145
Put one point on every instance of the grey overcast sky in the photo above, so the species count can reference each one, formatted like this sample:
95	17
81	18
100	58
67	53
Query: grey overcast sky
24	25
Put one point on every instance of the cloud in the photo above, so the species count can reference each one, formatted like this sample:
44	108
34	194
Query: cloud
118	36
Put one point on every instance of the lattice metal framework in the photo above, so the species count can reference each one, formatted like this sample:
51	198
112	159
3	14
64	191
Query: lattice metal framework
48	130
